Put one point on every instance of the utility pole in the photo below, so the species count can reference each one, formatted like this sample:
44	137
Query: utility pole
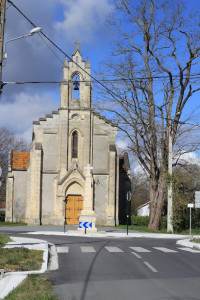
169	203
2	22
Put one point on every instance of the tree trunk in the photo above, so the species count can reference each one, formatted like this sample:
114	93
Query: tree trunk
157	196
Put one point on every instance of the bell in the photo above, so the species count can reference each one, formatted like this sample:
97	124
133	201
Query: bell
76	85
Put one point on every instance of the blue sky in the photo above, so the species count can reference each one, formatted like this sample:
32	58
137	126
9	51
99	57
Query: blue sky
30	59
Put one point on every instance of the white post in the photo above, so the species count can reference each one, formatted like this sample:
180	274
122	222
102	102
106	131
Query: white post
0	175
170	199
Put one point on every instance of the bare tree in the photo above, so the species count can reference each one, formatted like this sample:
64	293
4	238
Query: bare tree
8	141
151	69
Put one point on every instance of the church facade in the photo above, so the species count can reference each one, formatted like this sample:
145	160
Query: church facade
72	170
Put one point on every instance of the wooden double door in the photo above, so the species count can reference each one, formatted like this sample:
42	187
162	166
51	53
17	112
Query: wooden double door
73	208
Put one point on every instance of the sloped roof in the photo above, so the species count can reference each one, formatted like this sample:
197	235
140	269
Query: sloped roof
20	160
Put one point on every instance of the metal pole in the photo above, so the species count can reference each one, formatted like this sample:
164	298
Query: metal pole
127	197
190	220
2	22
170	199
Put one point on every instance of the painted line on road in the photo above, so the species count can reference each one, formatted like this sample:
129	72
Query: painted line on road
140	249
150	267
87	249
166	250
113	249
137	255
62	249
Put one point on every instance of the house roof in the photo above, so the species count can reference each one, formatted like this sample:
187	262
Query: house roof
20	160
145	204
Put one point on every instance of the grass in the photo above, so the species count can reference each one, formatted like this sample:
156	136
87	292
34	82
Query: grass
4	239
195	241
143	228
35	287
17	258
12	224
195	231
20	259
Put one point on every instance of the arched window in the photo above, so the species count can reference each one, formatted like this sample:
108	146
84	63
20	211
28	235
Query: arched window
75	144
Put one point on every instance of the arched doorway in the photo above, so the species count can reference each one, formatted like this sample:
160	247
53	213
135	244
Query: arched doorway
74	203
73	208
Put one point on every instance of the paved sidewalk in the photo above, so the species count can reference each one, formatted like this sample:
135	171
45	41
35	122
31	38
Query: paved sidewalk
12	279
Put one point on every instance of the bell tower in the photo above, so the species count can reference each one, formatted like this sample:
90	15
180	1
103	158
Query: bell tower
76	86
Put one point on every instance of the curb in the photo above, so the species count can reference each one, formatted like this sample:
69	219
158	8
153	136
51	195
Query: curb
111	234
187	243
12	279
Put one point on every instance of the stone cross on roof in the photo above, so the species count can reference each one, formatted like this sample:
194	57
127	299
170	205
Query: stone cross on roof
88	168
77	43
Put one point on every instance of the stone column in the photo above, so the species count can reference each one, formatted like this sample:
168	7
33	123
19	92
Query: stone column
9	197
33	210
88	214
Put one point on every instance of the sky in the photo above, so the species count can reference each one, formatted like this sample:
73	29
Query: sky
30	59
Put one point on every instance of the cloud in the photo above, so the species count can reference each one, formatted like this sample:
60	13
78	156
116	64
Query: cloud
83	18
30	59
122	145
190	158
17	116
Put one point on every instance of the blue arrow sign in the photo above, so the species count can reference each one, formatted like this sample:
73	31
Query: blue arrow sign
80	224
85	225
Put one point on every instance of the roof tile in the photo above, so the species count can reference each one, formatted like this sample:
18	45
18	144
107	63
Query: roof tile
20	160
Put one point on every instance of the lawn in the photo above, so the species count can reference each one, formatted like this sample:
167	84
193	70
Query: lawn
143	228
195	241
19	259
12	224
35	287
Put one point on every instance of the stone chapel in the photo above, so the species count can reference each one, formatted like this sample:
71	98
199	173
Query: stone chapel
71	173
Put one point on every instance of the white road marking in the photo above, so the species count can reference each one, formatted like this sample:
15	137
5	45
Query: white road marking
189	250
166	250
62	249
53	261
137	255
139	249
87	249
150	267
113	249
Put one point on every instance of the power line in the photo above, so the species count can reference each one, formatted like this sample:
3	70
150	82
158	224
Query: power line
98	81
114	95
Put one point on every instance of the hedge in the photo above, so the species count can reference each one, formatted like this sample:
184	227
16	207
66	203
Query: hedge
140	220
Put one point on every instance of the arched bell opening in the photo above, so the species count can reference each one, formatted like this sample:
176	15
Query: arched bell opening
76	87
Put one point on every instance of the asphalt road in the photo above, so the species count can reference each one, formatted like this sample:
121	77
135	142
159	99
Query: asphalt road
108	269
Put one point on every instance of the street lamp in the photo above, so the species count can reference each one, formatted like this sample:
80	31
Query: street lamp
5	55
170	197
31	33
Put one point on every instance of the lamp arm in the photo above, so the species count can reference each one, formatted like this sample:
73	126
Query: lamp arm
14	39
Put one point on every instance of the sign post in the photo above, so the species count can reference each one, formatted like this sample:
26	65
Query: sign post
190	206
128	196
